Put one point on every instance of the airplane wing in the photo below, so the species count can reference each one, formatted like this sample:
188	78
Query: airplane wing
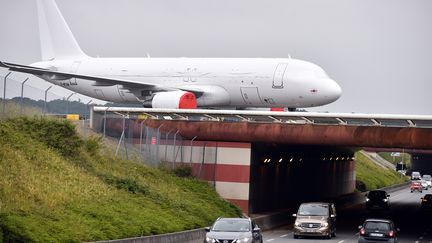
100	81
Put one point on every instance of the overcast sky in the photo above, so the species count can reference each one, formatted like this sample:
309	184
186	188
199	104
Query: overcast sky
380	52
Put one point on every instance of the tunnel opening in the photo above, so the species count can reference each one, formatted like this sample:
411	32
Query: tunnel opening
282	176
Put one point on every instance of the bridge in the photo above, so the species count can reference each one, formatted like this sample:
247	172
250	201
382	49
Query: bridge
260	159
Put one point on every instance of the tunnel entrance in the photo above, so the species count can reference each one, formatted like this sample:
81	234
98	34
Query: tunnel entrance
281	175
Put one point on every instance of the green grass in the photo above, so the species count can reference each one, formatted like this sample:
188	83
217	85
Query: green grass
57	187
372	176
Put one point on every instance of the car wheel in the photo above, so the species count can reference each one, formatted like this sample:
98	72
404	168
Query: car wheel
411	191
329	236
334	234
295	236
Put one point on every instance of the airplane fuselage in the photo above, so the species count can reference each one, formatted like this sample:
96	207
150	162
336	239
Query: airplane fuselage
233	82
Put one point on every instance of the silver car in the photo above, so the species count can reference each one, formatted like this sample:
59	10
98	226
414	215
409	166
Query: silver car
233	230
428	180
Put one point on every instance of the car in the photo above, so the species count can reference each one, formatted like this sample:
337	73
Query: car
315	219
416	186
428	179
424	184
377	199
415	175
233	230
378	230
426	202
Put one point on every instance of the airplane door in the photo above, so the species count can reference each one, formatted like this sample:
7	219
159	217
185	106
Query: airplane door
250	95
278	75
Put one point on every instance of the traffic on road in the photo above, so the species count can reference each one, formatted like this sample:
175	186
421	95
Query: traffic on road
403	221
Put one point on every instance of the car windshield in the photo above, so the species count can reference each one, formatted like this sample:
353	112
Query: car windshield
377	194
313	210
231	225
377	226
426	177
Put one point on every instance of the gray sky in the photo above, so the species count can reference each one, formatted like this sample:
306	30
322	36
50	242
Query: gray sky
380	52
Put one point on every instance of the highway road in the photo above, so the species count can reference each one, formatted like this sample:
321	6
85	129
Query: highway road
415	226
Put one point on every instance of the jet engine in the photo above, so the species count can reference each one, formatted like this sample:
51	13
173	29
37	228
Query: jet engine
174	100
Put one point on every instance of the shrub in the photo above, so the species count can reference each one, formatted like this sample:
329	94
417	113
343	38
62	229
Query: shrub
93	144
183	171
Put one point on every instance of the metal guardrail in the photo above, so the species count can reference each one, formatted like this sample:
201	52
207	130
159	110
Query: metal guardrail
357	119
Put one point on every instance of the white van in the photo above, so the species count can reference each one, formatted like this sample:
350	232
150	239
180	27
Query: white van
415	175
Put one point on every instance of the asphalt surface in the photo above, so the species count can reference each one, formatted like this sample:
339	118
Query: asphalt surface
415	225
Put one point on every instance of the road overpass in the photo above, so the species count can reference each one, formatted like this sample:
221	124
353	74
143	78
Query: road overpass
263	160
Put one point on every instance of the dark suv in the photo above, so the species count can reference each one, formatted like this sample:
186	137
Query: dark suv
378	230
426	202
377	199
233	230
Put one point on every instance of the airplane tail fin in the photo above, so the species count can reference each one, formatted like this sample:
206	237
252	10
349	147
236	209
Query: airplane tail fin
57	40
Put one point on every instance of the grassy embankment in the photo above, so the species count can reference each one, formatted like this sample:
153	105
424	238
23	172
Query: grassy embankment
406	158
371	176
56	187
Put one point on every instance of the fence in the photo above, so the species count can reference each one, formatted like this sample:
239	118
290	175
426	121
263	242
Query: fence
22	96
21	92
155	146
128	135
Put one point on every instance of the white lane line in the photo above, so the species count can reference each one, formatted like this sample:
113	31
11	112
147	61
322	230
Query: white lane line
282	236
270	240
341	241
416	241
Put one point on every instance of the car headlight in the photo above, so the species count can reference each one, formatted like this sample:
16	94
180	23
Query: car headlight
210	240
297	223
367	199
246	239
324	224
385	199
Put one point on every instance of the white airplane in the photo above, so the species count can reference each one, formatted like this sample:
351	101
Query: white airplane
175	82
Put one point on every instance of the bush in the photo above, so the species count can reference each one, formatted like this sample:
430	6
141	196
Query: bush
57	134
93	144
183	171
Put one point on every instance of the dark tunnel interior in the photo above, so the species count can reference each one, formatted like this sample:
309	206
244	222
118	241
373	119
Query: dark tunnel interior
282	174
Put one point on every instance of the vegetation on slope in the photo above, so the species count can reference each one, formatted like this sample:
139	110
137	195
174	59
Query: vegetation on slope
56	187
406	158
370	176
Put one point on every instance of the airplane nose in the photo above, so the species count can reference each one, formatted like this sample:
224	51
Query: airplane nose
334	91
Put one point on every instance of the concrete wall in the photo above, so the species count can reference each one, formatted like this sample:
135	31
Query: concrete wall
225	164
422	163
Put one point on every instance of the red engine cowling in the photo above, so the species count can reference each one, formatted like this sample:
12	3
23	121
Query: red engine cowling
174	100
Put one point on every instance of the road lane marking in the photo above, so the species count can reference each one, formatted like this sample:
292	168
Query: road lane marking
341	241
283	236
416	241
270	240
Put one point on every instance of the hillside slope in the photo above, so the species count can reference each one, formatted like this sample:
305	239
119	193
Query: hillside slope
55	187
370	176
